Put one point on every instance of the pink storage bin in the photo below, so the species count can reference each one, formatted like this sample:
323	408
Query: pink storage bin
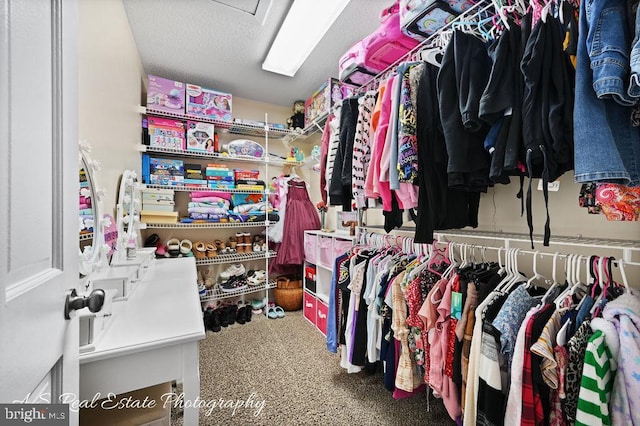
321	320
310	247
326	252
309	308
340	247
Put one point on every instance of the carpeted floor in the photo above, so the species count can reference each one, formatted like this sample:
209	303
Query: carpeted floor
278	372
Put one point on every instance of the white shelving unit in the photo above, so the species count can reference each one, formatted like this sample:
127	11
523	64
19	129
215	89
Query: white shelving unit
321	250
231	128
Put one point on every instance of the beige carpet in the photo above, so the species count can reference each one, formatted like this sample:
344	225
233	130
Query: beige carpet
283	366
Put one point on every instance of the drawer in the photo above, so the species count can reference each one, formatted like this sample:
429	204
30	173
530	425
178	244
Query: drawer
326	251
323	312
340	247
310	247
309	307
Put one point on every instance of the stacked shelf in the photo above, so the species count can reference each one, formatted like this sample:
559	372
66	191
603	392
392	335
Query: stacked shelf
237	257
204	225
218	156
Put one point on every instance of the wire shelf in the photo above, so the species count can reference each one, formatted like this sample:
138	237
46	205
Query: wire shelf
217	294
317	125
86	237
237	257
205	225
235	128
191	189
218	156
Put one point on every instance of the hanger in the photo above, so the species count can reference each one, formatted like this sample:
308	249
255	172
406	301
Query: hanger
536	274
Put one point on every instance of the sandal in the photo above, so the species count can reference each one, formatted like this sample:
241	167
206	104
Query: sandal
279	312
185	247
173	247
271	313
212	251
200	250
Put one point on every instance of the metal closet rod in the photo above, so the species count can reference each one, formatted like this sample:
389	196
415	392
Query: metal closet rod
393	240
466	14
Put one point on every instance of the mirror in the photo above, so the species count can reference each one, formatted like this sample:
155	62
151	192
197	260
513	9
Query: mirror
128	216
92	256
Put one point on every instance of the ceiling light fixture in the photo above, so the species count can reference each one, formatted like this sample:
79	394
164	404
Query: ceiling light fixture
306	23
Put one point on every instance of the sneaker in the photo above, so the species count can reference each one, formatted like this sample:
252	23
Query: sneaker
241	314
233	271
233	284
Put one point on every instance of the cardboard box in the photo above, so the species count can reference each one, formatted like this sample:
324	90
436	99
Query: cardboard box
166	133
200	136
160	171
165	95
203	102
322	100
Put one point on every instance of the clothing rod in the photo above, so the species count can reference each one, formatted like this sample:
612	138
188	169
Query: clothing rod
495	236
464	246
376	79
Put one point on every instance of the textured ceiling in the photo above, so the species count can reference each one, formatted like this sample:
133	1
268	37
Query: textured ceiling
222	47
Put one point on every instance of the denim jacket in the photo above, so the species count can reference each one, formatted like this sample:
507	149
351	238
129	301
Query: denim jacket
608	45
607	146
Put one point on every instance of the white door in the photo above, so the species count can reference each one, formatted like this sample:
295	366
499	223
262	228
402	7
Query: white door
38	199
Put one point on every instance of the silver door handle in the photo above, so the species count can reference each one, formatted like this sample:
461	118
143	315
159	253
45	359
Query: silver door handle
73	302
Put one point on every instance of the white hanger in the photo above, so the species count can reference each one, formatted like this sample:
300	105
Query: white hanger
536	274
625	283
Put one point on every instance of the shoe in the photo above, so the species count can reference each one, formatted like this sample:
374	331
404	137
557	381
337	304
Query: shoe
271	313
241	314
233	284
257	246
185	247
224	316
220	245
200	278
212	320
279	312
200	250
152	241
212	251
248	313
256	311
232	271
233	242
233	312
173	247
257	304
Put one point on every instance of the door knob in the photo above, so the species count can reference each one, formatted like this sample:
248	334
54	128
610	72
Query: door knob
73	302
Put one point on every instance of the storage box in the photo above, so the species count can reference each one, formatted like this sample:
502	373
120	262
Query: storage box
166	133
323	99
310	247
158	195
158	207
158	217
208	103
200	136
165	95
246	174
193	171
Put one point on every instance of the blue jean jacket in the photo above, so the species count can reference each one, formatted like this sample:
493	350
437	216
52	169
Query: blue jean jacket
607	146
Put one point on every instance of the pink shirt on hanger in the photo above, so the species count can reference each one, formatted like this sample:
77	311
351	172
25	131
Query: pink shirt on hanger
372	189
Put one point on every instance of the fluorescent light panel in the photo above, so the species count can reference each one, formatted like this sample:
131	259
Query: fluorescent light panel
306	23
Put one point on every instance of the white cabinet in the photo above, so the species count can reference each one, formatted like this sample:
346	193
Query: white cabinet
321	249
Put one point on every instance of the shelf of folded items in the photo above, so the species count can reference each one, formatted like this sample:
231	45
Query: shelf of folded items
216	293
205	225
234	128
218	156
86	236
192	189
237	257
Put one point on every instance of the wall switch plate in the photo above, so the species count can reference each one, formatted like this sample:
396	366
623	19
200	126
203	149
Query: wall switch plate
551	186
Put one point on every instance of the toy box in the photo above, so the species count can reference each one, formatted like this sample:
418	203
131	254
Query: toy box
166	133
165	95
160	171
200	136
208	103
323	99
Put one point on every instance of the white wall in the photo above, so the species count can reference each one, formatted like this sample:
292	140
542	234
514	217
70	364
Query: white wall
109	86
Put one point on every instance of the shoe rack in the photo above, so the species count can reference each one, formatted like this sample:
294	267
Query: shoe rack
223	231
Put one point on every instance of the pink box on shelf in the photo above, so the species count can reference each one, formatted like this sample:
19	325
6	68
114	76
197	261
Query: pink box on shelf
166	133
200	136
208	103
165	95
331	92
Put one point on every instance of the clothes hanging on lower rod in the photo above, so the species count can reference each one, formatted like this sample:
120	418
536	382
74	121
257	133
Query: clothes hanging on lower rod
495	347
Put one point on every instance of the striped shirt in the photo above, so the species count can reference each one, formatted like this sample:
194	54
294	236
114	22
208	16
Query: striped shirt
596	383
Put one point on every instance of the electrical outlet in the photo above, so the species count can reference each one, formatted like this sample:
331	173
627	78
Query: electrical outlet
551	186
